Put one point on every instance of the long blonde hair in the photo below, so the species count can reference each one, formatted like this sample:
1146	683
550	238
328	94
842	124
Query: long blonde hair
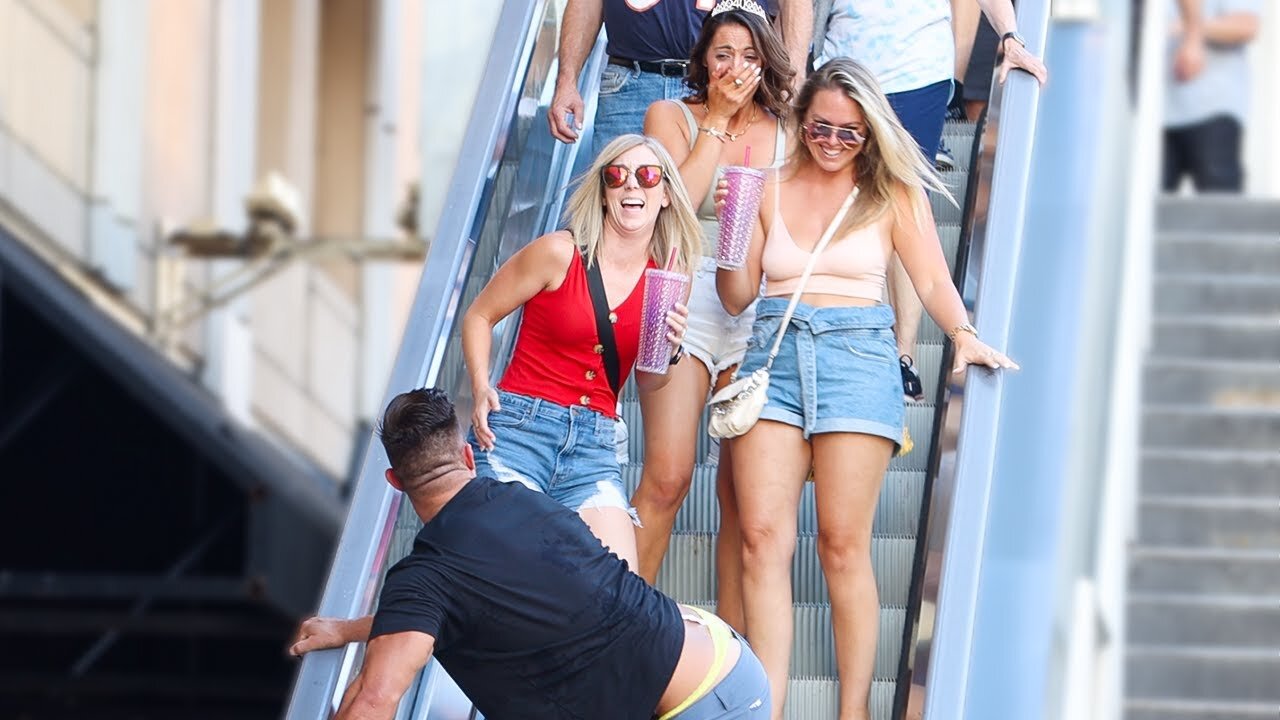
677	226
890	156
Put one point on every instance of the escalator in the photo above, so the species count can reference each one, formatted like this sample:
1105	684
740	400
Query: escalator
507	189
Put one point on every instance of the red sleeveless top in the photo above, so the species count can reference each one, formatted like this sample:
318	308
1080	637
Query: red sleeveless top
558	356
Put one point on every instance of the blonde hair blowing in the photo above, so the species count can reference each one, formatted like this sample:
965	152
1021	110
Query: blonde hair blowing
677	225
890	156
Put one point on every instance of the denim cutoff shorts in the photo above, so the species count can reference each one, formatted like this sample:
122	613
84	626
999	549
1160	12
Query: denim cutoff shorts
742	693
717	339
566	453
837	369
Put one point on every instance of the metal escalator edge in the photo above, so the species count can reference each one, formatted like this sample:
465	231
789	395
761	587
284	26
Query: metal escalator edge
943	602
359	561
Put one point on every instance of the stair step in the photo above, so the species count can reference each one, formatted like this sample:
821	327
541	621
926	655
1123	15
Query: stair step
1219	212
1237	522
897	514
1219	383
1190	426
1176	470
689	573
1182	709
1227	337
1205	252
1205	673
1200	292
1204	570
1221	620
819	699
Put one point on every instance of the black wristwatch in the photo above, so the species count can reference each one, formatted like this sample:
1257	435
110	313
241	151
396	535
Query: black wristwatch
1012	35
676	358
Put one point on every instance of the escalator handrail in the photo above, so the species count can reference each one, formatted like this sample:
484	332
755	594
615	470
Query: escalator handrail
969	411
358	562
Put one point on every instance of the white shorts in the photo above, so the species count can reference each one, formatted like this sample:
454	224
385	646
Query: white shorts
717	339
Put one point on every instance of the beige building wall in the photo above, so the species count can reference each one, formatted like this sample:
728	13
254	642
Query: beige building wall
1262	142
289	352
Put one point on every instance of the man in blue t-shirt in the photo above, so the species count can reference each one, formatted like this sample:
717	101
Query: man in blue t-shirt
649	46
522	605
1206	107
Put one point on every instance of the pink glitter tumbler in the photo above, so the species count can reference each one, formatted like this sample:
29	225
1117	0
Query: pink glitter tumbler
744	187
662	290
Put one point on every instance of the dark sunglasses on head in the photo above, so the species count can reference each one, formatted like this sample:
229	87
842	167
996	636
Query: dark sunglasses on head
615	176
821	131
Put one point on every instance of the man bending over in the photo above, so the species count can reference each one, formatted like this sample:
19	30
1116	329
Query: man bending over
523	606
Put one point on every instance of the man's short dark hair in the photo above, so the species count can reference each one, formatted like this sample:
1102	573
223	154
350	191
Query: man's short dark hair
419	431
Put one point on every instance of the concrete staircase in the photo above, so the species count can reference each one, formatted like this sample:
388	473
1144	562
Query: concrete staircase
1204	584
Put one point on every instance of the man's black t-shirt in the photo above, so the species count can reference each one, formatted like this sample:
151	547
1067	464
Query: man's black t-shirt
532	617
647	30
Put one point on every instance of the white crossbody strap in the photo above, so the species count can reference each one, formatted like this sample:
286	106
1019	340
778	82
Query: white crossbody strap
808	270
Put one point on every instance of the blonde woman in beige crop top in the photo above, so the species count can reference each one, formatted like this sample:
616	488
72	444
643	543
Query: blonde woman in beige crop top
740	78
848	136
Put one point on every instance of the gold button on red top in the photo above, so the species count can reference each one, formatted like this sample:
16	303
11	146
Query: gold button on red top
584	400
613	317
591	374
598	349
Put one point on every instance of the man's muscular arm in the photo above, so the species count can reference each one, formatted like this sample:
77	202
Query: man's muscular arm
578	31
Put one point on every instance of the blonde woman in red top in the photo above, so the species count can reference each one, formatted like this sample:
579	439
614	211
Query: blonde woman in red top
549	424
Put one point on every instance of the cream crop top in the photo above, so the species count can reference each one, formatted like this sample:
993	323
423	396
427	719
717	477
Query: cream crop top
853	266
707	208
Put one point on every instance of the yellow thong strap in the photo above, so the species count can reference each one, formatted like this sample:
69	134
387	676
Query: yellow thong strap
720	639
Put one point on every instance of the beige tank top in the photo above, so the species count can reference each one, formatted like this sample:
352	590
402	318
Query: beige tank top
852	267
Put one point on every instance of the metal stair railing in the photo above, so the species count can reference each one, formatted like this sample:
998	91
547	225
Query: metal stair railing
943	602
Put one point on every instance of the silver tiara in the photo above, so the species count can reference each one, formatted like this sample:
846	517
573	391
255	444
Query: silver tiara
750	6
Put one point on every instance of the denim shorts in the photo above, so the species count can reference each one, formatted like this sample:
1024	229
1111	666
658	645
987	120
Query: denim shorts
743	693
567	453
837	369
716	338
625	95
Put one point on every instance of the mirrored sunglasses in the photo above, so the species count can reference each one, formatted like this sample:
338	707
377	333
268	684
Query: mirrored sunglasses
615	176
821	131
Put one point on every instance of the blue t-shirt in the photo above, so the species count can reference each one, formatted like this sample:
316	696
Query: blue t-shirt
1222	88
648	30
532	617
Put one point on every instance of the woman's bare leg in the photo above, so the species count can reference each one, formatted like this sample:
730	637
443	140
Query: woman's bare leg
770	465
848	471
670	441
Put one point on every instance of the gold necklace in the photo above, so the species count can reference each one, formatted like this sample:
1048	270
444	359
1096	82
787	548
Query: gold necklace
732	136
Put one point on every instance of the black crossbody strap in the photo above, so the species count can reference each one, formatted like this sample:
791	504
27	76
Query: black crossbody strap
604	328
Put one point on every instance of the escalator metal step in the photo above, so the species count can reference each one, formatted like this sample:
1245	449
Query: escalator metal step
897	514
818	699
689	573
813	647
919	421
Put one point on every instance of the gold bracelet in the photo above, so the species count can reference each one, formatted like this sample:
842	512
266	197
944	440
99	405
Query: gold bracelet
964	327
716	133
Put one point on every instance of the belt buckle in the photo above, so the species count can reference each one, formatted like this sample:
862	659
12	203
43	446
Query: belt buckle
672	68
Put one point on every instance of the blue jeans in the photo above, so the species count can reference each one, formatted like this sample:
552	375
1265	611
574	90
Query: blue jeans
625	95
922	112
566	453
743	693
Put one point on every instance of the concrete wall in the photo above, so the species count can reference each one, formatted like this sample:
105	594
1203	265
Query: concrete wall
123	120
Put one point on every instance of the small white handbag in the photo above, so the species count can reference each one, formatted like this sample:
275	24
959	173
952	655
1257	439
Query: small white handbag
736	407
